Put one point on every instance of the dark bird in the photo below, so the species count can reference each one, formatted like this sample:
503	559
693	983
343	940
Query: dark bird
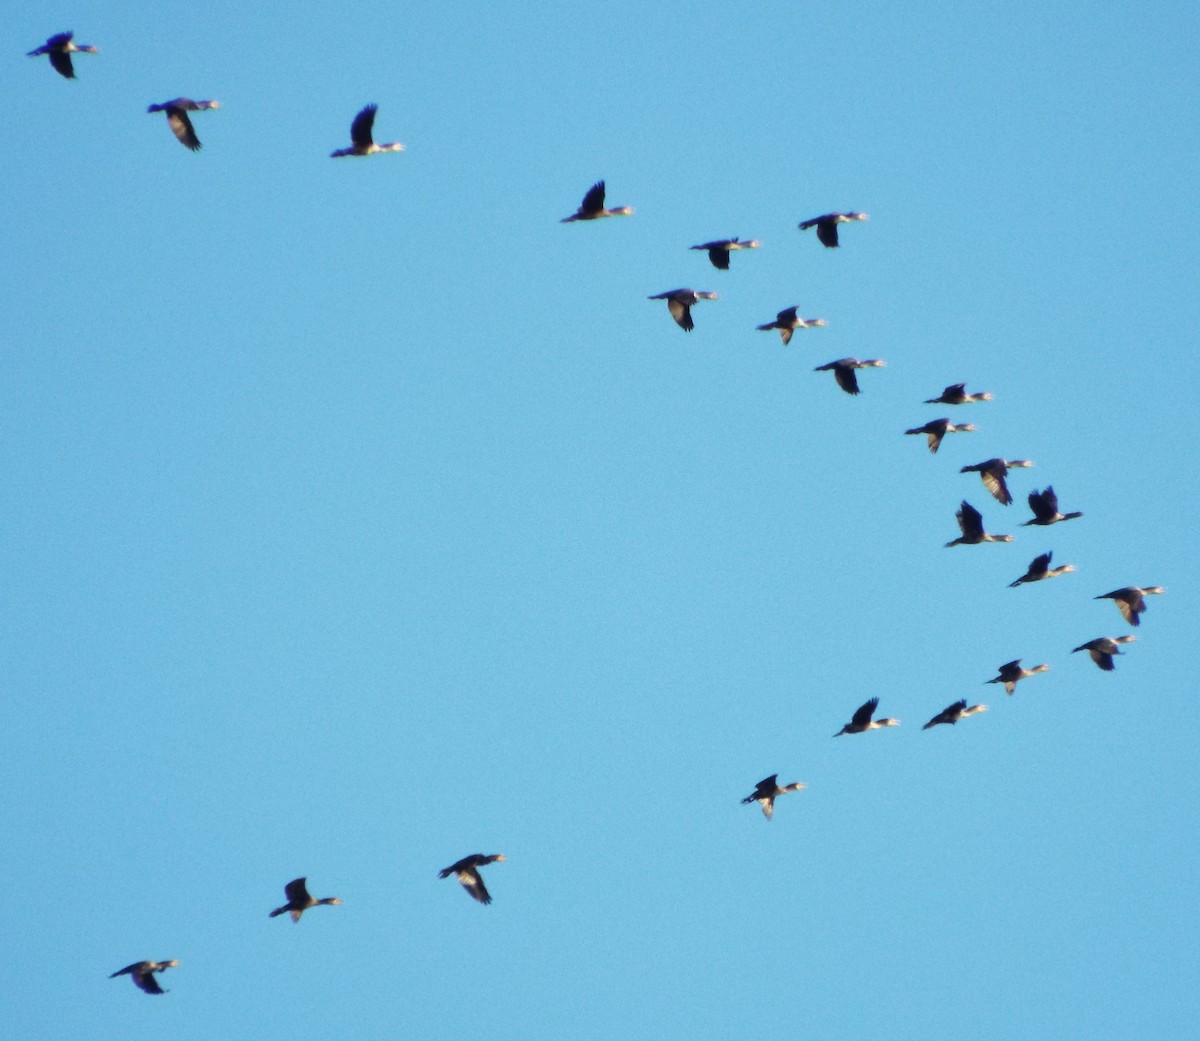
970	523
300	900
992	472
362	141
59	49
788	321
936	429
1011	674
592	207
827	226
1040	568
467	871
861	720
679	303
143	974
177	117
843	371
720	249
1131	601
1103	648
956	394
953	713
767	791
1045	508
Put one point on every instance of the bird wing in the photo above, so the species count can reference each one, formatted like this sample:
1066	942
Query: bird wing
846	378
863	714
181	127
788	315
61	60
767	802
994	482
827	232
135	967
360	129
296	891
1131	604
472	882
970	520
593	201
719	257
682	314
1041	564
147	982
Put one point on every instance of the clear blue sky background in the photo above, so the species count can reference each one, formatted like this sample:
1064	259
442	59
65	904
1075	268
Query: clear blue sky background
358	516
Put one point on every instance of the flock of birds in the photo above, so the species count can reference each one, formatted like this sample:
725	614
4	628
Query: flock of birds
1130	600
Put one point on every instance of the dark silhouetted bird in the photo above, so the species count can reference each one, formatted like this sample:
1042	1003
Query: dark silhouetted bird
299	900
467	871
1103	649
953	713
720	249
59	49
956	394
679	303
177	118
992	472
143	974
1040	568
970	523
861	721
843	371
936	429
827	226
788	321
1045	508
362	140
1011	674
767	791
1131	601
592	207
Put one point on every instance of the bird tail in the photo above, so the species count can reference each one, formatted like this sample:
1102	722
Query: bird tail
277	912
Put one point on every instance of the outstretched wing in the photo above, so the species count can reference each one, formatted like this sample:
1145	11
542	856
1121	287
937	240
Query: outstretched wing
360	129
181	127
864	713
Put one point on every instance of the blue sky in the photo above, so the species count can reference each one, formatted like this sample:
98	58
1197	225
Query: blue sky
361	516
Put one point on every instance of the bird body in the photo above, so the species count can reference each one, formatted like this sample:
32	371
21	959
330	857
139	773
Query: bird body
679	303
1103	649
768	790
861	721
143	972
936	429
953	713
177	118
970	523
956	394
300	900
827	226
1045	508
720	249
1011	674
1040	568
1131	601
362	139
788	321
993	473
467	872
843	371
59	49
592	207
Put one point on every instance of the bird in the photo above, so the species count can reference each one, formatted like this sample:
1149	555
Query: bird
592	207
970	523
720	249
361	140
788	321
1103	648
1131	601
1040	568
679	303
956	394
767	791
843	371
1011	674
936	429
177	117
1045	508
993	471
827	223
58	49
143	974
861	720
467	871
300	900
953	713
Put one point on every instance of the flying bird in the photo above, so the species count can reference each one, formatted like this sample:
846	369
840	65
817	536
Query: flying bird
767	791
843	371
362	141
300	900
953	713
592	207
143	974
970	523
59	49
827	226
177	117
1011	674
679	303
992	472
467	871
1040	568
720	249
1045	508
956	394
1131	601
1103	649
788	321
861	721
936	429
